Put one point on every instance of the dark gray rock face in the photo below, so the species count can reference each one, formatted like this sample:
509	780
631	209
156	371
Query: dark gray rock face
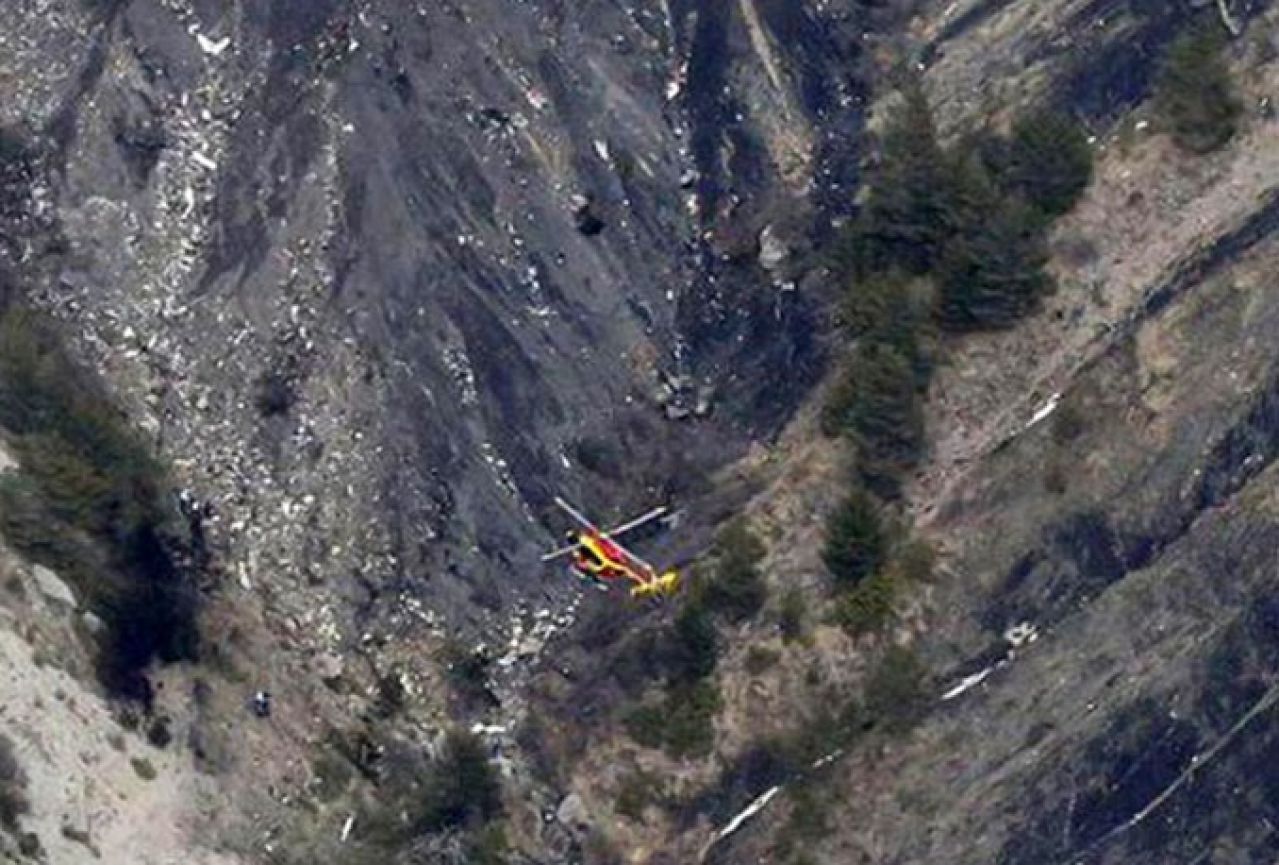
336	258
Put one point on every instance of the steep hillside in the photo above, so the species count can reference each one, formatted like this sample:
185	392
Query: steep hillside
374	280
1099	492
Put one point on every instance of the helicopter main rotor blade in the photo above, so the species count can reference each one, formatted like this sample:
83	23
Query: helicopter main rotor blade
573	512
635	523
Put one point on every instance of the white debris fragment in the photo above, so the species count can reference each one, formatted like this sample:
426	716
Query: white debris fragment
751	810
966	683
200	159
479	729
828	759
601	150
346	828
1047	409
211	47
1022	632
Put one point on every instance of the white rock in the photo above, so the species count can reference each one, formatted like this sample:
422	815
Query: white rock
52	586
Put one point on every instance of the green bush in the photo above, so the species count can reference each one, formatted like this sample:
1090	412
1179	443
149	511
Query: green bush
693	651
464	789
143	768
868	606
1195	96
736	589
1049	161
855	541
681	723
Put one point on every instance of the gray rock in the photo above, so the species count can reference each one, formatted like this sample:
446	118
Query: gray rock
572	812
52	586
91	621
329	667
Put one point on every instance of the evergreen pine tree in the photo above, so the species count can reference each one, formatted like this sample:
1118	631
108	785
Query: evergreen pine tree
855	542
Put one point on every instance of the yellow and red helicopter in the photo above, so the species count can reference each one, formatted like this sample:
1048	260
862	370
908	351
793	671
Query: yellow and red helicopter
598	556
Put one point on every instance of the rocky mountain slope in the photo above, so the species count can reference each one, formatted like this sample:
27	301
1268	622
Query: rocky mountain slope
377	279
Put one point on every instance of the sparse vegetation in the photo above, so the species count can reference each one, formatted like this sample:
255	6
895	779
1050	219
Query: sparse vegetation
1195	95
90	503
